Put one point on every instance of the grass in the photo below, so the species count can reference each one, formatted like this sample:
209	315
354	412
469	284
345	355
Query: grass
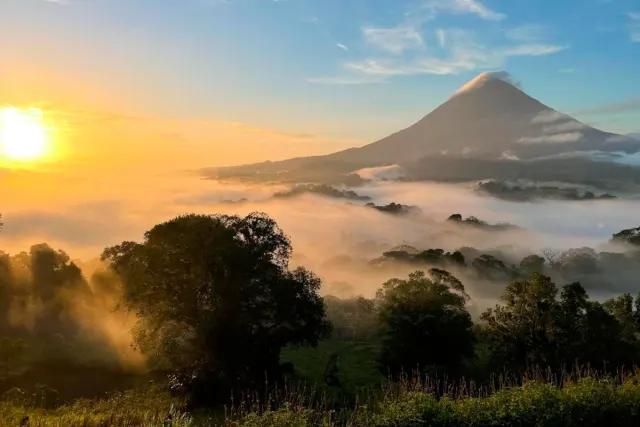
582	398
151	407
357	366
584	402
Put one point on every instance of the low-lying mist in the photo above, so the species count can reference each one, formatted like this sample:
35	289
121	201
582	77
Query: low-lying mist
328	231
59	316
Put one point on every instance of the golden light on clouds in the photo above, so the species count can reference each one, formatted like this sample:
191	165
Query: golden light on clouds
24	134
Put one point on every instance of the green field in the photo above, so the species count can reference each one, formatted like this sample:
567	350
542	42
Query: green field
357	366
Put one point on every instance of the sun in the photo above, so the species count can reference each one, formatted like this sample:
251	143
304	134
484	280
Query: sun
23	134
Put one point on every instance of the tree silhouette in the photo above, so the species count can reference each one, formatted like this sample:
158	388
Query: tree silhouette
216	300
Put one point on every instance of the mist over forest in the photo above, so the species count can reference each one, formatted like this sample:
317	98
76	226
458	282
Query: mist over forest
340	233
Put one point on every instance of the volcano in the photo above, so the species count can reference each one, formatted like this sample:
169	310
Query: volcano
488	120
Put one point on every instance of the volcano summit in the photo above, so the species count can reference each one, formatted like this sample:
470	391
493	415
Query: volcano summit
489	128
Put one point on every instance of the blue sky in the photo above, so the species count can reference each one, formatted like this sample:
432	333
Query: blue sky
347	68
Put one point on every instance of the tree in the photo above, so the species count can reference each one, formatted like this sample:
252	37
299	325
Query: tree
6	281
425	322
216	300
352	318
522	331
578	261
621	308
535	329
55	279
491	268
532	264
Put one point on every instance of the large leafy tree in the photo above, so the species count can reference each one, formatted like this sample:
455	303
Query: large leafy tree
535	328
522	331
216	300
425	322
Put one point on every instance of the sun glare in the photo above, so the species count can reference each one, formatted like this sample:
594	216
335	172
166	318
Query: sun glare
23	134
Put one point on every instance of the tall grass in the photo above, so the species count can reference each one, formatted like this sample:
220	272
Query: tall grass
540	398
152	407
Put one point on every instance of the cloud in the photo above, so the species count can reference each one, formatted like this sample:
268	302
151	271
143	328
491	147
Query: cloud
549	116
383	67
556	122
463	52
434	66
626	106
634	26
557	128
533	50
85	225
406	49
485	77
568	126
393	40
560	138
508	155
458	7
342	46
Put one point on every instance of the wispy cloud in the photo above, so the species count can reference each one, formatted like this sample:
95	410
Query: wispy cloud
568	126
342	46
533	50
474	7
434	66
394	40
560	138
634	26
462	52
557	128
549	116
407	49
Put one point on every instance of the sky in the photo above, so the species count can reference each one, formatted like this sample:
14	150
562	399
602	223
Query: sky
318	75
135	91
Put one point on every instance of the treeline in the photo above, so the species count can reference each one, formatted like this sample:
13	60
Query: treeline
605	271
216	302
423	324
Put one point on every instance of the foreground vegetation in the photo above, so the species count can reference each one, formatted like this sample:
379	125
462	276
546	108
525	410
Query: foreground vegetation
229	335
153	407
585	401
